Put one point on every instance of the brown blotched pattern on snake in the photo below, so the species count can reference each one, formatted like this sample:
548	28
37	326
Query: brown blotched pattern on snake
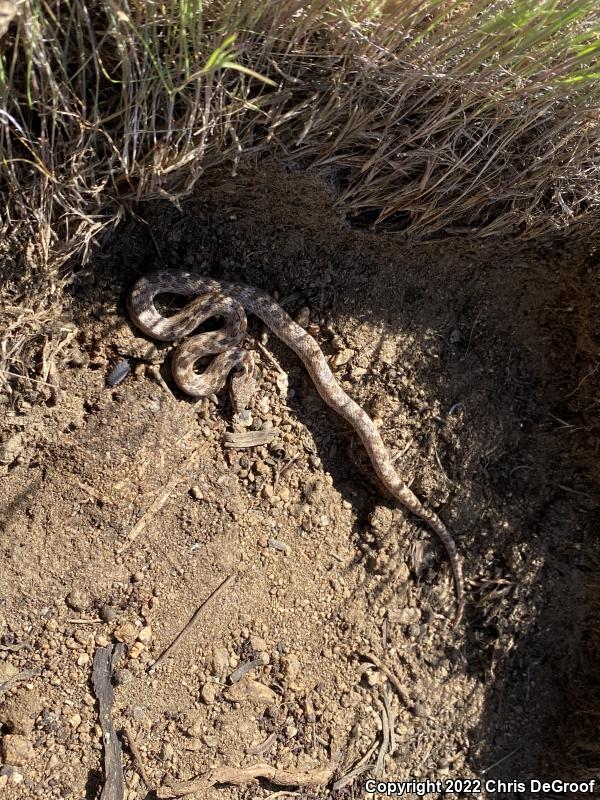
229	300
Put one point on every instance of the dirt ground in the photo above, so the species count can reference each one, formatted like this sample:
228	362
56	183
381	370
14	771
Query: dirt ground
477	358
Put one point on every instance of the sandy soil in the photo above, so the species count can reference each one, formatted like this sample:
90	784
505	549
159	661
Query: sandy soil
477	359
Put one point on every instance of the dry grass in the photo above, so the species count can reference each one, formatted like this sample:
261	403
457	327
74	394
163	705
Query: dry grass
430	116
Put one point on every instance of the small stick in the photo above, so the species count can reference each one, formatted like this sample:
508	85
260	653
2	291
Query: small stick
500	761
262	748
238	777
402	693
385	743
270	358
443	471
136	755
181	636
391	721
158	503
93	492
362	766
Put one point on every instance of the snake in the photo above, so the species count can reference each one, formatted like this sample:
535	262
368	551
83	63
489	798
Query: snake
230	301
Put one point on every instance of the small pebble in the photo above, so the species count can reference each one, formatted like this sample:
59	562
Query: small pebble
16	750
343	357
108	613
275	544
77	600
290	666
145	634
136	650
7	671
258	644
194	728
251	691
127	632
209	693
11	448
123	676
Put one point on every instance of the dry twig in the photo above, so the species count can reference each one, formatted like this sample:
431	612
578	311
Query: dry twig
136	755
186	631
239	777
400	690
148	515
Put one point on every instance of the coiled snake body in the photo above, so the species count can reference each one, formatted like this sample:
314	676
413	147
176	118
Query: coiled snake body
228	300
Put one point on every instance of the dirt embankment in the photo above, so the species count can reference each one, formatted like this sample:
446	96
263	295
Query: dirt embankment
477	360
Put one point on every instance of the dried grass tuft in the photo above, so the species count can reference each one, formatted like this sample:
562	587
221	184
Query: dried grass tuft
433	117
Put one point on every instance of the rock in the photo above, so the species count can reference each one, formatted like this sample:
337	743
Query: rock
258	644
250	690
16	749
405	616
127	633
77	600
109	613
145	634
290	666
343	357
7	671
220	661
136	649
193	745
194	727
197	493
11	448
20	711
209	693
9	773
